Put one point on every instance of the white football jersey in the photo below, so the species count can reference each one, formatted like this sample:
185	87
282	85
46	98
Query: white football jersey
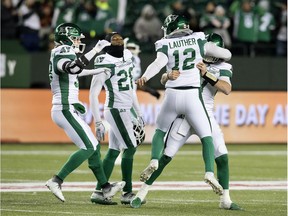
183	54
222	71
64	86
119	86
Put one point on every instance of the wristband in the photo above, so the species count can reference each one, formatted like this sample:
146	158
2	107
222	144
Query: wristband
210	78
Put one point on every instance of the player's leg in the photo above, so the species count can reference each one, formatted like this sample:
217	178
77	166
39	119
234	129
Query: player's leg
165	118
122	125
76	129
222	162
174	141
197	117
102	175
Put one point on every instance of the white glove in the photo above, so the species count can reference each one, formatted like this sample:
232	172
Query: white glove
100	131
100	45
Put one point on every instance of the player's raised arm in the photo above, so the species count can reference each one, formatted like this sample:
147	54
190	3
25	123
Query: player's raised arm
153	69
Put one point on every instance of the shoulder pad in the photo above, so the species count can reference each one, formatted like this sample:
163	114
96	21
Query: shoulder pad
64	50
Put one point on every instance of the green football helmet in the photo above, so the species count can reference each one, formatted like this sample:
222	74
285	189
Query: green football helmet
68	34
174	22
218	41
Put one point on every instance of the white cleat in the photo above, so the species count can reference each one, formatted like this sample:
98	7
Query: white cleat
210	179
110	190
55	188
148	171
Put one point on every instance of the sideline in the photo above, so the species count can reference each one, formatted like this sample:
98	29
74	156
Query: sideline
161	185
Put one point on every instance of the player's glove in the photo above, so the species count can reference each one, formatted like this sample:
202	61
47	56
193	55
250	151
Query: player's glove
100	131
100	45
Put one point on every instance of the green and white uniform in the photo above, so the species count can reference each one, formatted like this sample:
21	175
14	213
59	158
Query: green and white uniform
120	98
183	95
181	130
66	104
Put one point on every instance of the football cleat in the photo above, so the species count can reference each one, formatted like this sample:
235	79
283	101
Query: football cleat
230	206
55	188
136	202
210	179
126	198
148	171
98	198
111	189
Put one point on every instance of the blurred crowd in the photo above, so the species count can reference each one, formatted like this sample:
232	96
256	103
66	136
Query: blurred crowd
248	27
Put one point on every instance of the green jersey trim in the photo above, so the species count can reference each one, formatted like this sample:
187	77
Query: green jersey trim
201	46
227	73
64	88
111	93
163	49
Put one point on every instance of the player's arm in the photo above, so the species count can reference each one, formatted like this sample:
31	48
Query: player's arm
76	66
210	49
153	69
220	84
95	89
88	72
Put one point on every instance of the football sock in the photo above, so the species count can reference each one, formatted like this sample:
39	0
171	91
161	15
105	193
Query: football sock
74	161
223	170
127	168
157	144
208	153
164	160
95	164
108	165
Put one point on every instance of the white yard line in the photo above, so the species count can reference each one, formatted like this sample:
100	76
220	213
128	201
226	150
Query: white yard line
236	153
163	185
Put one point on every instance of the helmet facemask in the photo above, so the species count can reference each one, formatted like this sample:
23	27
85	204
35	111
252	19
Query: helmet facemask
77	47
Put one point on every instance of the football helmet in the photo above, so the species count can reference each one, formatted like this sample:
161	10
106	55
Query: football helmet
68	34
139	132
218	41
174	22
133	47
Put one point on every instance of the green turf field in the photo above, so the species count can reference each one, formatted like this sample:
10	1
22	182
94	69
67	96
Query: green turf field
37	163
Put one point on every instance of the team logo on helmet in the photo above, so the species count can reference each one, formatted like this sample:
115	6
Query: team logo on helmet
174	22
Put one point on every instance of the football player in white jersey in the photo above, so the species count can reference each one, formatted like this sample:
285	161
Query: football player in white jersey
64	69
120	99
216	75
181	49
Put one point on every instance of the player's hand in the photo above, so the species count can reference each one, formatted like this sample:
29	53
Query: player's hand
173	75
202	67
100	45
141	82
100	131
